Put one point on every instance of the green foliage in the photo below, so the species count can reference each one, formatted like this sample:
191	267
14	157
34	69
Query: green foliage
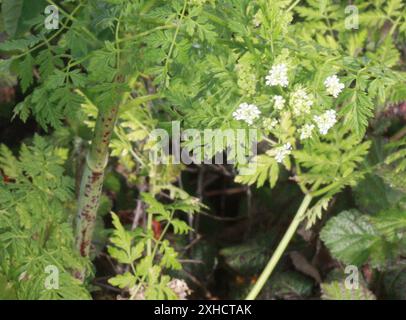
357	111
288	285
393	283
397	157
350	237
7	291
248	258
145	278
373	194
123	251
20	15
354	238
196	62
152	252
338	291
35	224
263	168
315	212
333	163
11	10
377	235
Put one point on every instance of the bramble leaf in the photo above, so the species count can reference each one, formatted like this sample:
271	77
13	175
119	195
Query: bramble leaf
338	291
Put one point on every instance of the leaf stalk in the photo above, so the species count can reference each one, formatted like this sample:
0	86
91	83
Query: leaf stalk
266	273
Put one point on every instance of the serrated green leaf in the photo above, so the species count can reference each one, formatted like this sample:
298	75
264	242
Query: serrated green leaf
25	72
357	111
338	291
123	281
315	212
11	12
350	237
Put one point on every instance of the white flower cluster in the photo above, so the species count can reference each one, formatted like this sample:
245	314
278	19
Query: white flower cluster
300	102
269	123
326	121
306	131
180	288
247	112
278	75
333	85
279	102
282	152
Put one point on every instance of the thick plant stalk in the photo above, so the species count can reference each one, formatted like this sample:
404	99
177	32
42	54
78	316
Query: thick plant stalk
92	179
266	273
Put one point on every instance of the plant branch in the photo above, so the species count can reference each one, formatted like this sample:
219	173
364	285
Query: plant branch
92	179
399	135
174	41
280	249
93	174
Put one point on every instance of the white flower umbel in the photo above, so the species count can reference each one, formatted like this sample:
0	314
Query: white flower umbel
306	131
247	112
300	102
278	75
326	121
279	102
283	151
269	123
333	85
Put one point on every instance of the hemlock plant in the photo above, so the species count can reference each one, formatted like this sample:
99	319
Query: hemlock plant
115	71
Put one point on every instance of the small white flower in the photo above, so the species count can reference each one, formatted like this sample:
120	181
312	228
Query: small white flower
333	85
247	112
180	288
282	152
279	102
269	123
300	102
278	75
306	131
326	121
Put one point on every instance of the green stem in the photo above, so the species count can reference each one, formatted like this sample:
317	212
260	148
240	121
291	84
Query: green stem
394	26
47	40
168	57
153	254
280	249
149	227
93	174
92	179
71	17
142	35
293	5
